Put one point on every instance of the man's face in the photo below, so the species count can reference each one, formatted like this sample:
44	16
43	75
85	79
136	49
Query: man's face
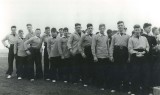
47	31
78	28
29	28
54	34
156	32
121	26
61	31
148	29
90	30
137	31
20	34
13	30
102	29
109	34
38	33
65	32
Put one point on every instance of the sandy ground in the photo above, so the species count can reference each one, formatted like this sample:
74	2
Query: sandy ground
41	87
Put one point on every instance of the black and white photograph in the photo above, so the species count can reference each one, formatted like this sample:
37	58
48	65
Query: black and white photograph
79	47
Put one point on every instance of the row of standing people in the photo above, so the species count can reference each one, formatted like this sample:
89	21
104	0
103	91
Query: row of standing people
115	62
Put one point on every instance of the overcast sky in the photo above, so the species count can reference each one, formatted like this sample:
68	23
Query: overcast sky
65	13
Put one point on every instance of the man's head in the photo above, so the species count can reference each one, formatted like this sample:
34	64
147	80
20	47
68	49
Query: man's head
78	27
13	29
47	30
61	31
120	25
109	33
89	28
38	32
29	27
102	28
54	32
155	31
20	33
137	30
147	27
65	31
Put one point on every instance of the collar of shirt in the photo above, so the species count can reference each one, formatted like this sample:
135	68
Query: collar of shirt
89	34
78	33
119	33
149	34
100	34
20	37
137	36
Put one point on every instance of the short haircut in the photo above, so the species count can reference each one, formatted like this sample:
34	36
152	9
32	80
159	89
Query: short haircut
65	29
146	25
29	25
109	31
154	29
89	25
102	25
13	27
120	22
53	30
20	31
47	27
77	24
136	26
38	29
60	28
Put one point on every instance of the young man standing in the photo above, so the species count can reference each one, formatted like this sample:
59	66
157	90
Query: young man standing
73	46
86	52
30	32
65	56
138	48
11	38
119	55
45	38
151	56
100	51
34	53
21	59
54	56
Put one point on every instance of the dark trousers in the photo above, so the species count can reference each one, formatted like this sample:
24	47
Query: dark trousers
120	55
102	71
54	67
87	66
139	72
65	69
46	64
76	67
35	57
10	60
21	66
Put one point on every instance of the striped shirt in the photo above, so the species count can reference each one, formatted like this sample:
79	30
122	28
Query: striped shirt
136	43
19	47
63	48
100	46
10	38
52	47
118	40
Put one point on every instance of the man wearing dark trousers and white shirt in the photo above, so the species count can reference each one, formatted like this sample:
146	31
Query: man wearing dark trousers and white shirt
65	67
54	56
138	48
34	53
100	51
119	55
45	38
73	44
11	38
86	52
21	56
